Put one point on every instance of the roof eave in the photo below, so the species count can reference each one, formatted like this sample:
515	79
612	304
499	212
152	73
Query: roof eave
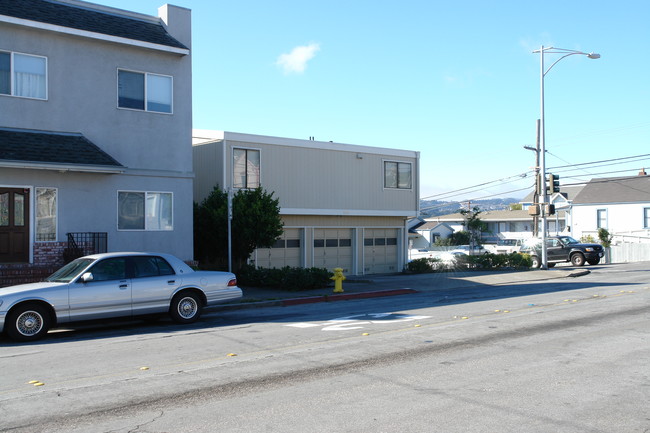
93	35
83	168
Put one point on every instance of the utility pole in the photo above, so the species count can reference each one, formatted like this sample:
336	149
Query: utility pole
538	181
536	195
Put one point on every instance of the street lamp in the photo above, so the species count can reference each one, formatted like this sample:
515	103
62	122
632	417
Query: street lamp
542	151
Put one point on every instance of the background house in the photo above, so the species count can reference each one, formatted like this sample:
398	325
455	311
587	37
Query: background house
502	224
342	205
95	130
619	204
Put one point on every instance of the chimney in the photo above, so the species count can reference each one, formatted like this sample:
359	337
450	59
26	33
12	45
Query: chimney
642	172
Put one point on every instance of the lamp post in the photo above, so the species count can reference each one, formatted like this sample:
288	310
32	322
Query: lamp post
542	151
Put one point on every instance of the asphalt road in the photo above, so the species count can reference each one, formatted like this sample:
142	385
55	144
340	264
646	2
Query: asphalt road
567	355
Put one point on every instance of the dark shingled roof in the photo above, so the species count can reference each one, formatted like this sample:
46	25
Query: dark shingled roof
24	145
629	189
52	12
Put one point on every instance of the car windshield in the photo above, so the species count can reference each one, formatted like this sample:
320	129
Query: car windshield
569	240
69	271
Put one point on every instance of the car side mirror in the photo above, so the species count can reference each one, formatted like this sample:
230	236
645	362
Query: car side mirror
87	277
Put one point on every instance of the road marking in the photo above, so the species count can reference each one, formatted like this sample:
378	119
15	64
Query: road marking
359	321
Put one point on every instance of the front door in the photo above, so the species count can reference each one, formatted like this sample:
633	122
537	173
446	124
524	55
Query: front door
14	225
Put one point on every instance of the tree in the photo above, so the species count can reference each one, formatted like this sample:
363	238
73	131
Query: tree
474	224
516	206
605	238
256	223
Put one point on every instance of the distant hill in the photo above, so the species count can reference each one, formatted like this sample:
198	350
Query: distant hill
434	207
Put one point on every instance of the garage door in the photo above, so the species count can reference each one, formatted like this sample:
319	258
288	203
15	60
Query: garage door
286	251
380	251
333	249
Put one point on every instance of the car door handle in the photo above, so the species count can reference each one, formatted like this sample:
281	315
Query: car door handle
171	282
124	286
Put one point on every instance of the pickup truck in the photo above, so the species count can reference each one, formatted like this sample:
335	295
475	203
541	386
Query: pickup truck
564	249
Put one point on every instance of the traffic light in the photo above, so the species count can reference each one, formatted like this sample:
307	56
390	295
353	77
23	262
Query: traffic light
550	209
553	183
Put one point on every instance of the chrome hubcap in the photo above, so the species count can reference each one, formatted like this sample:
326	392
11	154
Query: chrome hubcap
187	308
29	323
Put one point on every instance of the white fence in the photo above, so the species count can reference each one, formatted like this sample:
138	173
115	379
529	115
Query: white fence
628	252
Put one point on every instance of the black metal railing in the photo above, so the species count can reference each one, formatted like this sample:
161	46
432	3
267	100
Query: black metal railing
85	243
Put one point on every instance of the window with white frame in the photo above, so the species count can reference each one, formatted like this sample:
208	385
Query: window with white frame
46	211
144	91
601	218
145	210
397	175
23	75
646	218
246	168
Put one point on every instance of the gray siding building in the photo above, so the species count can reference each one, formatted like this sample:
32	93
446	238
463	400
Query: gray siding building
95	130
342	205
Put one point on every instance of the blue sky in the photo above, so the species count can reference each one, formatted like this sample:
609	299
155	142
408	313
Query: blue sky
456	81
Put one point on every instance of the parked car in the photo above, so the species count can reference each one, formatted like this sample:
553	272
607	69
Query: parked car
563	249
468	250
112	285
508	246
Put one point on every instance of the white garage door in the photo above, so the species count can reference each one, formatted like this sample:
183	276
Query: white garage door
380	251
333	249
286	251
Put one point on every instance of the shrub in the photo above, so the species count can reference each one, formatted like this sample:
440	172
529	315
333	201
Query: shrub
490	261
587	239
423	265
287	278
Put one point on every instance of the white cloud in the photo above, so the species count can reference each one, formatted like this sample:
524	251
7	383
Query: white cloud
296	61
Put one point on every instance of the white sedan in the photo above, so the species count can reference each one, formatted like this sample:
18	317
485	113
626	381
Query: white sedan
112	285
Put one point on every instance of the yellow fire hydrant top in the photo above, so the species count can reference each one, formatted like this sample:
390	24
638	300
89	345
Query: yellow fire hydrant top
338	280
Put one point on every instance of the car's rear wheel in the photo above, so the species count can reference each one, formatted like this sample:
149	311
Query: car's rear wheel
536	262
27	322
186	307
578	259
594	261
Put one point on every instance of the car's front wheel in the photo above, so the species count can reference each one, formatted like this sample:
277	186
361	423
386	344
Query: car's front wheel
578	259
186	307
536	262
27	322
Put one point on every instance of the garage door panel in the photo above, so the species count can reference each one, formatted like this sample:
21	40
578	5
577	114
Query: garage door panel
380	251
333	249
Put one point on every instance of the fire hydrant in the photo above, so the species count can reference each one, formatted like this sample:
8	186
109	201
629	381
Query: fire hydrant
338	280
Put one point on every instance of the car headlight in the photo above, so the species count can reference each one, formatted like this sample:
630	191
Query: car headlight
589	249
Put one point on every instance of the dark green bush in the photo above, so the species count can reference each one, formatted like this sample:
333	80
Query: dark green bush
423	265
287	278
496	261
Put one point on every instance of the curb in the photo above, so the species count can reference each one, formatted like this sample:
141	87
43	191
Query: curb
313	299
345	297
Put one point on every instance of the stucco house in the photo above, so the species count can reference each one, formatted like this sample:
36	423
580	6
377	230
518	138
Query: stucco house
423	234
342	205
95	130
619	204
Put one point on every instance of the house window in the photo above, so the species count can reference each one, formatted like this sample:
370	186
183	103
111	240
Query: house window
23	75
145	210
646	218
144	91
46	210
601	218
246	168
397	175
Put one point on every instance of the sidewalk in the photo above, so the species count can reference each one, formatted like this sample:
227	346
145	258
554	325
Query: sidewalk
373	286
